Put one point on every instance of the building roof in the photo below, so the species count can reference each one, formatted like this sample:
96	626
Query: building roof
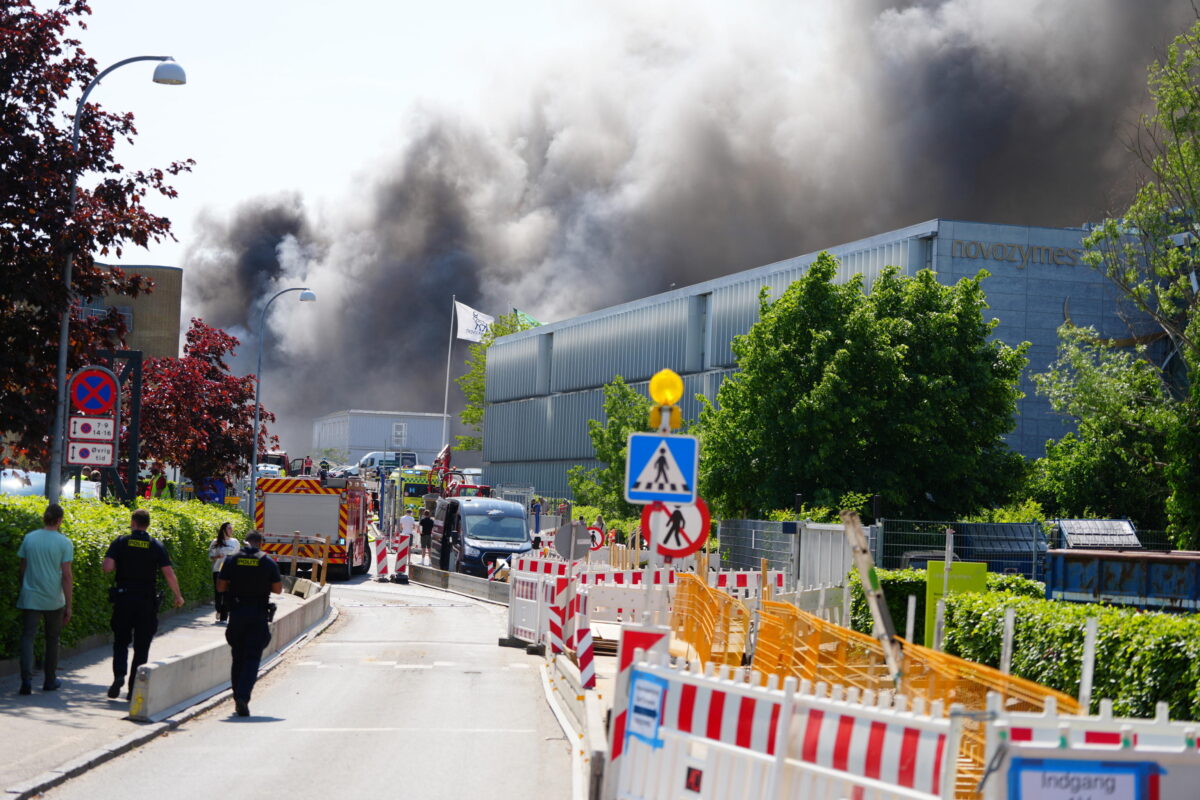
365	412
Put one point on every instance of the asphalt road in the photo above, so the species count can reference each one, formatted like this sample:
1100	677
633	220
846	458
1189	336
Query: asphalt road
405	695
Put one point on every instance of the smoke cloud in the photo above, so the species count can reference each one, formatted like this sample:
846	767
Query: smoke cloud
685	146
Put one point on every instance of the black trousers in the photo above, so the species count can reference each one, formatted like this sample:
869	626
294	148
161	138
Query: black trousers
248	635
219	599
134	620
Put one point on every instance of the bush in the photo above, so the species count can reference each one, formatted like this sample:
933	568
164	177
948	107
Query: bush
1141	658
185	528
898	584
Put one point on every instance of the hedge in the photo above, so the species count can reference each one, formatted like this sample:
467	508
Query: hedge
185	528
898	584
1141	658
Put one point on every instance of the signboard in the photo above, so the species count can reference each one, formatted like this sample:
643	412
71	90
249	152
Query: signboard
661	468
646	695
1067	779
89	454
676	530
93	390
597	538
572	541
965	576
92	429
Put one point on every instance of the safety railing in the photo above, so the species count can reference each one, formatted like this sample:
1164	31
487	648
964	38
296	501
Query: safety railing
794	643
708	625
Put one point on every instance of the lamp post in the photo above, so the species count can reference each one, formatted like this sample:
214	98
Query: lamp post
306	296
170	73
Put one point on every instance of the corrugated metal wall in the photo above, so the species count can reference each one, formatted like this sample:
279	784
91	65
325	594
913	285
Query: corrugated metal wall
511	369
634	344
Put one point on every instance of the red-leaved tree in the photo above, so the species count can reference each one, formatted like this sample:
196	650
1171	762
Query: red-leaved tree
42	75
195	414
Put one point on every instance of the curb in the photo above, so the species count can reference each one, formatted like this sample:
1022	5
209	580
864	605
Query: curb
151	730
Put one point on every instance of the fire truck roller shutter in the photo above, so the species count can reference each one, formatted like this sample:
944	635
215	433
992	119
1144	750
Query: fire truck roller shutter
315	515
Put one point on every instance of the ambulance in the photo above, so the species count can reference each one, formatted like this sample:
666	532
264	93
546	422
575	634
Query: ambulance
335	509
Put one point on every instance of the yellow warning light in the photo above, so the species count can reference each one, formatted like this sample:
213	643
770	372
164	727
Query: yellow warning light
675	419
666	387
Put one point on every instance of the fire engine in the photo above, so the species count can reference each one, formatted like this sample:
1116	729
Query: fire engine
335	509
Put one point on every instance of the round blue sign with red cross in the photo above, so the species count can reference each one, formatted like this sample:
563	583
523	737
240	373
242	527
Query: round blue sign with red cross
93	390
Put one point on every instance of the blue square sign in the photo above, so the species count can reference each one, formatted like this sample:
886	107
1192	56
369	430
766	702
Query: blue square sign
661	468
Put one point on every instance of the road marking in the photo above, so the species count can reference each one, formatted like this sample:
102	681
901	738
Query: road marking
518	666
414	666
444	664
412	730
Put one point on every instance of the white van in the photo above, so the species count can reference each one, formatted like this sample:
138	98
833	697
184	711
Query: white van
388	459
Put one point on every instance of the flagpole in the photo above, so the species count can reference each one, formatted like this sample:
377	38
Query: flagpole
446	400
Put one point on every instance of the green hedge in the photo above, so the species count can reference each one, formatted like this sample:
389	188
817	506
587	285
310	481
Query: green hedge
898	584
185	528
1141	658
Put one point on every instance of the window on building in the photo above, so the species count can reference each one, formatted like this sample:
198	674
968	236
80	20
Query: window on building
399	434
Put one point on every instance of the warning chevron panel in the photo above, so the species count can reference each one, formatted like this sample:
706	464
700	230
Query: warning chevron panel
661	468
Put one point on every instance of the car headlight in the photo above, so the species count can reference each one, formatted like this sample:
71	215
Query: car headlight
470	551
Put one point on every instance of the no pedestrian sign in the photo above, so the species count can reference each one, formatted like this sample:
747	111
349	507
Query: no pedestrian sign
676	530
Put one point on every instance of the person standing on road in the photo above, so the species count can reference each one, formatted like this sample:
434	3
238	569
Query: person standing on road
46	588
308	465
249	579
408	525
136	558
222	547
426	534
536	508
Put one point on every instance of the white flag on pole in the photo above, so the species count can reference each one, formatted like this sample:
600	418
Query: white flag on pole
472	324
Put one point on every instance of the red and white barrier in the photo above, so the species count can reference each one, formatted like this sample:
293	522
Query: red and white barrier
583	646
403	552
746	585
1149	758
558	616
648	639
381	558
627	577
760	742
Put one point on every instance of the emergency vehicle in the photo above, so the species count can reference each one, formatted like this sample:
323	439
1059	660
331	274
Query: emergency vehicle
336	509
410	487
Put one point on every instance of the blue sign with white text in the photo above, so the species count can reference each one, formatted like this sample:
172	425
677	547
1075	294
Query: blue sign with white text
661	468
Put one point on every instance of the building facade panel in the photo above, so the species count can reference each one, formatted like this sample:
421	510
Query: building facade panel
1037	280
511	371
358	432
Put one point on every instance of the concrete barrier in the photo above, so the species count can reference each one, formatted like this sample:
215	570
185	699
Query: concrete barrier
492	591
162	688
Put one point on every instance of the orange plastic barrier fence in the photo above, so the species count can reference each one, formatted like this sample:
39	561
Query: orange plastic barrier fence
794	642
708	625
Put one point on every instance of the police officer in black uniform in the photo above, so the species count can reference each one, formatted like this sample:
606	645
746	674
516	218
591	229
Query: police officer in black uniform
137	558
248	579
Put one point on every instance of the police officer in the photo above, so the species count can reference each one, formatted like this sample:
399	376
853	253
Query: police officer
137	558
248	579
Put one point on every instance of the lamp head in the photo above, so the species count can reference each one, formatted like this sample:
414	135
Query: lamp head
308	296
170	73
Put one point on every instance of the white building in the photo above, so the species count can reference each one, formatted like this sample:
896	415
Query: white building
356	432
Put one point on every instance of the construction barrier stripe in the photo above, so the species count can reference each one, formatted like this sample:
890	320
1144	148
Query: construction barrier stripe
294	486
337	553
727	717
896	753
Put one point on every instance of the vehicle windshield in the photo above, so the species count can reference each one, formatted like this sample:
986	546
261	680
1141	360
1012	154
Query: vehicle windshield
496	528
416	489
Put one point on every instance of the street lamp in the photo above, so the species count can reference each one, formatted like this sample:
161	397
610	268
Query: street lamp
306	296
167	72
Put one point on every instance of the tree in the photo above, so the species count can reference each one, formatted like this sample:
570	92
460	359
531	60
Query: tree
1112	465
197	415
474	382
1150	254
897	392
626	411
41	73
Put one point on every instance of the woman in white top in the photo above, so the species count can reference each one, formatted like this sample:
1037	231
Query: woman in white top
224	545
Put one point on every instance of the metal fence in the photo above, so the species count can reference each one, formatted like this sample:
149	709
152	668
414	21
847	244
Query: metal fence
1158	541
809	554
1006	547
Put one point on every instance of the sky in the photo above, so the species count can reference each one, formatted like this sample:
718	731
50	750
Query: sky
565	156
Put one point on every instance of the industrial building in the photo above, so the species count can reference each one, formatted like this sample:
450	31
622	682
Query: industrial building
151	318
544	384
355	433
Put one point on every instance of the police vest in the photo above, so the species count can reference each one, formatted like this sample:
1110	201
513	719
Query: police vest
252	576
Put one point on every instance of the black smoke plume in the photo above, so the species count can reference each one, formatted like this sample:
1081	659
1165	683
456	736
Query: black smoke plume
686	146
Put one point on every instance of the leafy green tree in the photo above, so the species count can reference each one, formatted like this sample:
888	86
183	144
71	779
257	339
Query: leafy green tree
626	411
474	381
1112	465
1150	253
898	392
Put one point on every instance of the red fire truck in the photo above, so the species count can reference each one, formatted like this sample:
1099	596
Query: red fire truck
335	510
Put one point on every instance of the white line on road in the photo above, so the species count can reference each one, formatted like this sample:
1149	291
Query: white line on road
414	666
412	730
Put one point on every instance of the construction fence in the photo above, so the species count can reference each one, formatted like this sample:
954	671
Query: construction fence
808	553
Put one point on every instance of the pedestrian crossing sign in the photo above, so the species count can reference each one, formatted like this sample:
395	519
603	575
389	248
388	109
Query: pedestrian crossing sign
661	468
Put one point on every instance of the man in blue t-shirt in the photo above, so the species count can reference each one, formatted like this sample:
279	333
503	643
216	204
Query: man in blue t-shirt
46	582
